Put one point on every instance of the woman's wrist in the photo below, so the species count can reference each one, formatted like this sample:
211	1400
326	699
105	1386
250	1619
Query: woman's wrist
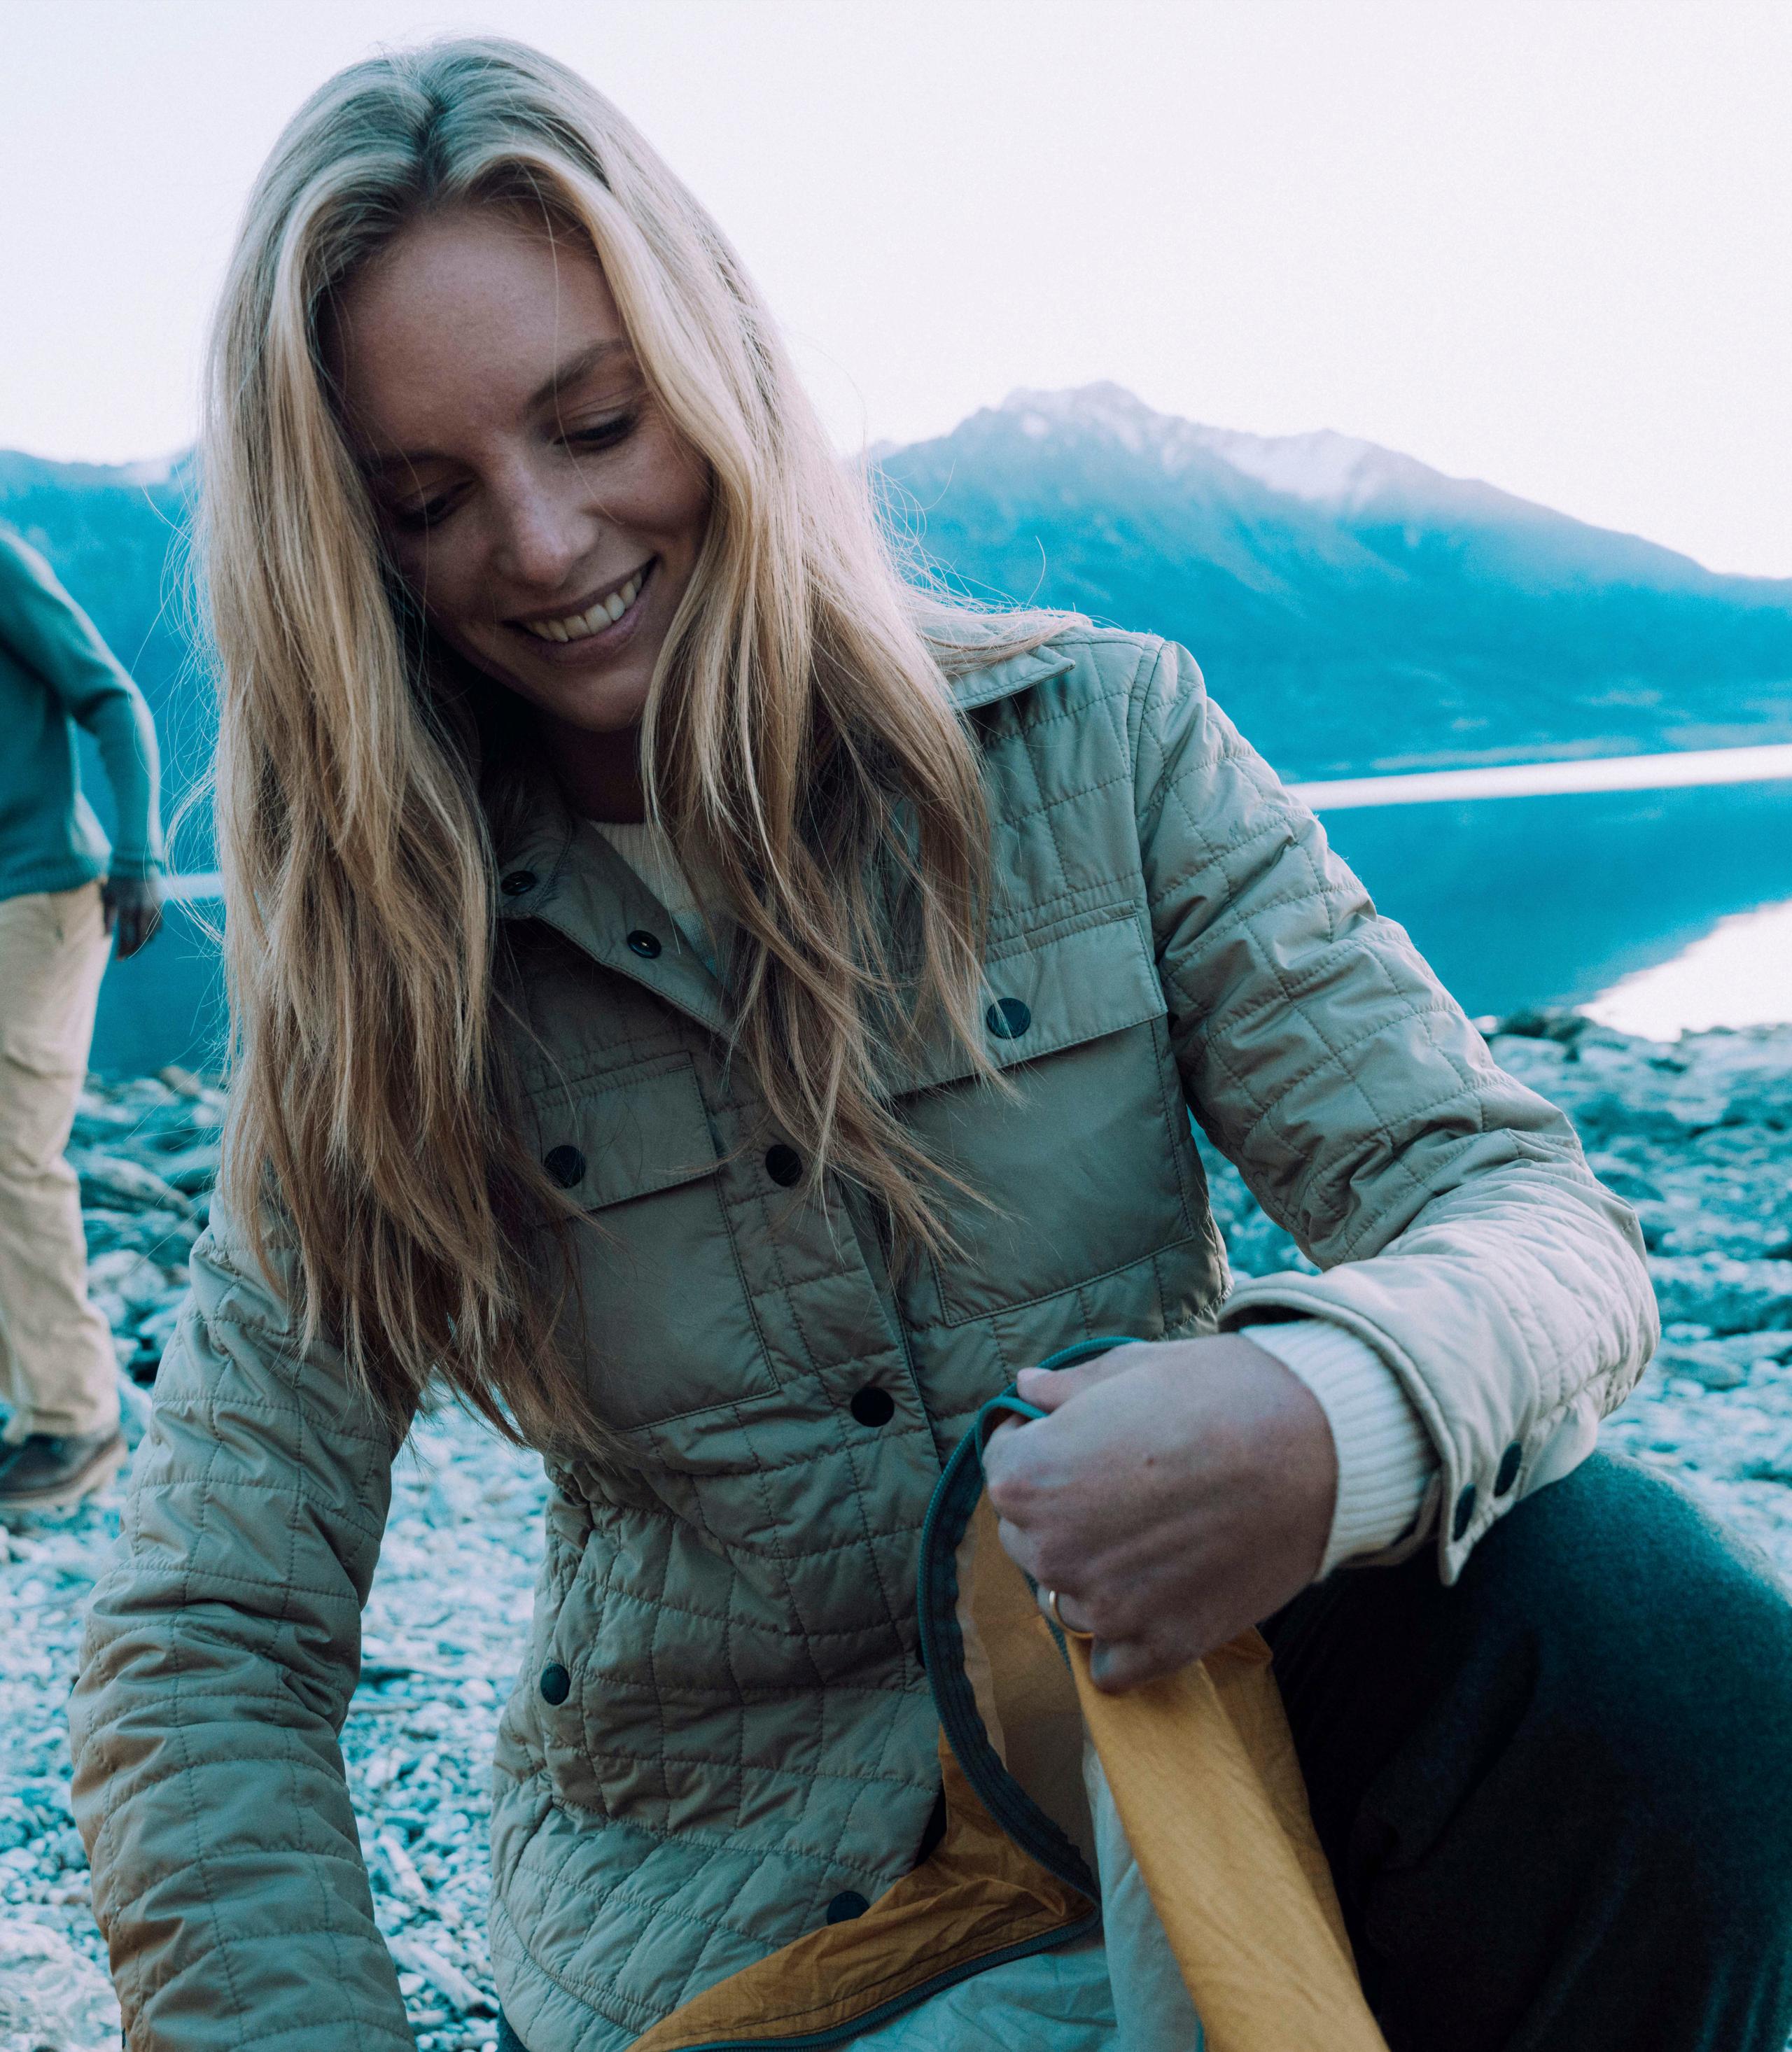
1385	1459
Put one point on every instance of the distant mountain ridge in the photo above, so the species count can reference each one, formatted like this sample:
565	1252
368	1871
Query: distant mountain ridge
1354	610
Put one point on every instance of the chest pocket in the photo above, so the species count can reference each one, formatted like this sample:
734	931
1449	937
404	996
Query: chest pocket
1086	1165
667	1325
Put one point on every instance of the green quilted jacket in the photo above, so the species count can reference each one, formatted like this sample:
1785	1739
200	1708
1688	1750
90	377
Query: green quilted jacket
722	1724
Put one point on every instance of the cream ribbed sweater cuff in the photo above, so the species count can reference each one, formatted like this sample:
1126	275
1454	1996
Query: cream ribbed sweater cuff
1385	1459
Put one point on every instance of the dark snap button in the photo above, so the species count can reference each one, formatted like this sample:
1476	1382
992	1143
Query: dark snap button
784	1166
1008	1018
517	883
1510	1462
1464	1511
846	1905
565	1165
644	944
873	1407
556	1683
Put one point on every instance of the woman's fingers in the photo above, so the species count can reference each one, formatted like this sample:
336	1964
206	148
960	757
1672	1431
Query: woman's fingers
1117	1665
1049	1388
1191	1494
1084	1603
1015	1476
1071	1614
1021	1545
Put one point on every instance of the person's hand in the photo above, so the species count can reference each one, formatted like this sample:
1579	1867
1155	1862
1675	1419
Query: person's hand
133	907
1179	1492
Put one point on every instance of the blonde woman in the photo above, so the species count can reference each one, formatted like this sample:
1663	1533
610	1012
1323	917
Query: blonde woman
723	1018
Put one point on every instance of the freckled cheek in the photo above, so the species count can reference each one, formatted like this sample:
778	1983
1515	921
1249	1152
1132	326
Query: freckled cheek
678	543
666	496
693	524
654	518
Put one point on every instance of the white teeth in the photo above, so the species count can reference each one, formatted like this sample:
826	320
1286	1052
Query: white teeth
578	626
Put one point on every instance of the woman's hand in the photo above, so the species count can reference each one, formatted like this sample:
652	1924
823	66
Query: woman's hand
1179	1492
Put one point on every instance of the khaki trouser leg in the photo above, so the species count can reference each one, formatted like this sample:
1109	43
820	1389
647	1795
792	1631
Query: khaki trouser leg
57	1367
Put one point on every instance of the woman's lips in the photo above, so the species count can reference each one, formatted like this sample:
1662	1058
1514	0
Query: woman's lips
596	621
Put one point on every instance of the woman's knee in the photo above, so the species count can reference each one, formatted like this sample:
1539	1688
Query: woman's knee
1659	1657
1620	1572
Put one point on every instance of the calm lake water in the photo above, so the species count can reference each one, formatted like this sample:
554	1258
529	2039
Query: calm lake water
1545	899
1551	900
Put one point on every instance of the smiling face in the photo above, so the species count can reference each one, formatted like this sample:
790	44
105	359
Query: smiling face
535	498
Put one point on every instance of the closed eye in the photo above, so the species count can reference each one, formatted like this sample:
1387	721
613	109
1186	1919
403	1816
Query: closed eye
603	434
430	514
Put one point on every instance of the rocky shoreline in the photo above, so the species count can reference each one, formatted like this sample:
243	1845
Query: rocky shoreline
1697	1134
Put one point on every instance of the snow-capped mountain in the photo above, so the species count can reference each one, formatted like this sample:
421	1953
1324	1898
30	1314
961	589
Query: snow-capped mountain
1325	467
1352	606
1351	481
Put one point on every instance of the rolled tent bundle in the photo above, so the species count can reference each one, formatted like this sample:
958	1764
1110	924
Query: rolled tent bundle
1209	1810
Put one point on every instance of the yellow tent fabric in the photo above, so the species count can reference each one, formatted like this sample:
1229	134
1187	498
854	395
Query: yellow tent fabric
1202	1771
1203	1774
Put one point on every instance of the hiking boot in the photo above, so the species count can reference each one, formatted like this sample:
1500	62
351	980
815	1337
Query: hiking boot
46	1472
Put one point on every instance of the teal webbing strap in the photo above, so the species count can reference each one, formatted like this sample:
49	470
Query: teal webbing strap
949	1515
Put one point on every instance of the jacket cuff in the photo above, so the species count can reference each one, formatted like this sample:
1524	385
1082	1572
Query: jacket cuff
1385	1459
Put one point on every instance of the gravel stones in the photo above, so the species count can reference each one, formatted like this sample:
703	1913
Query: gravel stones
1724	1294
52	1998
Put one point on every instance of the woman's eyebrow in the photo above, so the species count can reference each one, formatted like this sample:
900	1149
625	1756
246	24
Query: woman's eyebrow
580	364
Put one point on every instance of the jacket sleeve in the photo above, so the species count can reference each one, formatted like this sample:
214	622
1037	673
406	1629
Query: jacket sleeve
1459	1231
221	1653
49	634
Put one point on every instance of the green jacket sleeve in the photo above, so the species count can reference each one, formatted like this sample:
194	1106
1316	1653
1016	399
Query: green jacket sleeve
1458	1229
45	630
222	1651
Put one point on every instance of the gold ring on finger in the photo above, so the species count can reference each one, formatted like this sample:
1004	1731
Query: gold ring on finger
1056	1616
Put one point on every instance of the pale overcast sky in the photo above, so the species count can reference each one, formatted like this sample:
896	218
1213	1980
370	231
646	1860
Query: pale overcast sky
1548	245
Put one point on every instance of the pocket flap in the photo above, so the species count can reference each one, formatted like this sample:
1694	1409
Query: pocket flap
612	1137
1046	995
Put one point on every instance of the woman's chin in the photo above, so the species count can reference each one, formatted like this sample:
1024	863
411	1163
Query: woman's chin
598	705
604	698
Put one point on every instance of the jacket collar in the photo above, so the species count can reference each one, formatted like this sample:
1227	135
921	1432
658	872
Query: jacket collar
1004	680
577	884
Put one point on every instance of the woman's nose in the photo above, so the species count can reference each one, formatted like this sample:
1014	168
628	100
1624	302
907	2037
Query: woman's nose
541	537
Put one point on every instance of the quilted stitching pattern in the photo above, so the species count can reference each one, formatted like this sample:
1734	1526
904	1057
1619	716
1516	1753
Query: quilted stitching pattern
748	1731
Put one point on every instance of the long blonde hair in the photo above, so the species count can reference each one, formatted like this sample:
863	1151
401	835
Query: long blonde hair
800	746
